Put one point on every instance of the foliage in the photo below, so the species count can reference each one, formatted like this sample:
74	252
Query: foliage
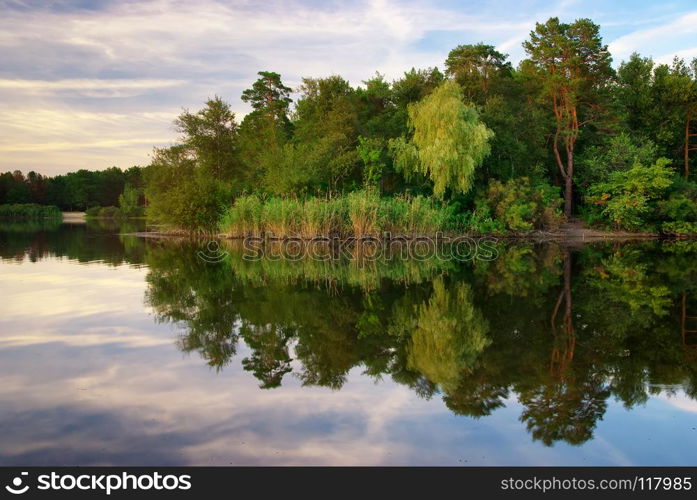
371	152
386	154
477	68
680	228
628	198
521	205
129	202
448	143
180	195
619	153
72	191
209	136
573	67
29	211
358	214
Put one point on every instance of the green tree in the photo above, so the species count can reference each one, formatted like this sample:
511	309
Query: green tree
448	143
269	95
574	68
180	194
265	131
477	68
129	201
211	134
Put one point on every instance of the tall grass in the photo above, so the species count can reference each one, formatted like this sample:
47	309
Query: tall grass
243	219
364	213
359	214
29	211
324	217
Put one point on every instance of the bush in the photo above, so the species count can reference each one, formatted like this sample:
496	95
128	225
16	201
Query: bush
679	228
518	205
128	202
678	207
109	212
29	211
182	196
93	211
628	199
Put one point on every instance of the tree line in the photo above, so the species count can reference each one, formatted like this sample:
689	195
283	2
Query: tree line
79	190
502	148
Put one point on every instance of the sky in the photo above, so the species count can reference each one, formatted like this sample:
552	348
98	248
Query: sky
93	84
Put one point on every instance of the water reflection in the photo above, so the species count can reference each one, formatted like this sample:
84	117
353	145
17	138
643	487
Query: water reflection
562	329
551	337
101	240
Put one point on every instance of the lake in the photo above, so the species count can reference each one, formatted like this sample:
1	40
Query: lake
122	350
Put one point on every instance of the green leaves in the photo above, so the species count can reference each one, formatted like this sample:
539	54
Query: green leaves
521	205
448	141
627	199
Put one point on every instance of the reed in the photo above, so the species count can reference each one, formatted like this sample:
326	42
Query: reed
358	214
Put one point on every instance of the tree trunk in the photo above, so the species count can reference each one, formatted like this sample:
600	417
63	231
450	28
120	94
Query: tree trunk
568	197
687	146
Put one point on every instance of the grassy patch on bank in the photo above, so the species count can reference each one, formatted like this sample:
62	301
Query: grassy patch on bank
359	214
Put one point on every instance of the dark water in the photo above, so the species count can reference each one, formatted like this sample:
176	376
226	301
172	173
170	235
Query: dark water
120	350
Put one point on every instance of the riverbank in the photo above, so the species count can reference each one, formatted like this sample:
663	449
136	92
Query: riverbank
572	232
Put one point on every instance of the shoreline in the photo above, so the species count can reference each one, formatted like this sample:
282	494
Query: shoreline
560	236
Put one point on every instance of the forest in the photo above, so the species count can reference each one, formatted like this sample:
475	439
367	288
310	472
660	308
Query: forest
480	146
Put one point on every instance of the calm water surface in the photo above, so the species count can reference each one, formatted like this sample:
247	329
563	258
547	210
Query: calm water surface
120	350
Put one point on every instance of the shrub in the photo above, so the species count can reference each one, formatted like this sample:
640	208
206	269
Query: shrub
679	228
628	198
128	202
93	211
109	212
182	196
519	205
678	207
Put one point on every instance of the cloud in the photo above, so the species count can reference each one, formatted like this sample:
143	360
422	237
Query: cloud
86	87
155	57
658	41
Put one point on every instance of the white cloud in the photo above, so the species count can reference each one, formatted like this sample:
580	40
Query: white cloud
657	41
135	57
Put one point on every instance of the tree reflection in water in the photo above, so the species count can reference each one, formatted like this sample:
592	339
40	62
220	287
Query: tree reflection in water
560	329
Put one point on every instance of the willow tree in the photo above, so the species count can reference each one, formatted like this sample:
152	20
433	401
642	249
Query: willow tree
574	67
449	335
448	140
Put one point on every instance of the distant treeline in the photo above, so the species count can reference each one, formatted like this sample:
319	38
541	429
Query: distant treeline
78	190
29	211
